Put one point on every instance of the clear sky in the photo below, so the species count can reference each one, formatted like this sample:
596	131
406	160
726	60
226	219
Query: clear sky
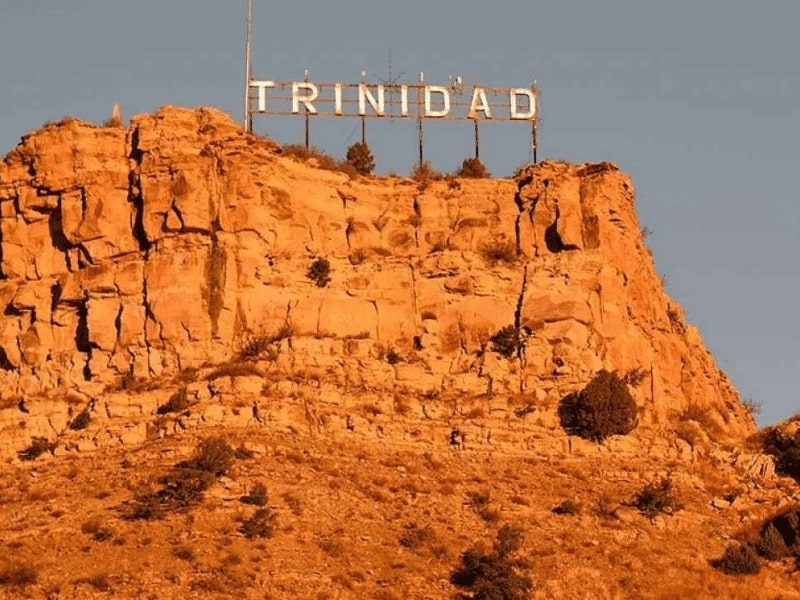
698	100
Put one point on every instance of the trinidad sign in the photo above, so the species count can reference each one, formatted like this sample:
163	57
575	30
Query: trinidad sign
418	101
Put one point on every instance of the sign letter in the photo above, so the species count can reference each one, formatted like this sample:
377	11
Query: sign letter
307	99
364	96
337	92
479	103
403	100
262	93
436	89
530	114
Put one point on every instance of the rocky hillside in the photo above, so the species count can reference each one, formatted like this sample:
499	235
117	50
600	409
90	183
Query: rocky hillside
387	357
181	242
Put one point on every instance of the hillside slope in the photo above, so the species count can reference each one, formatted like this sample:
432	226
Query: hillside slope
142	253
180	280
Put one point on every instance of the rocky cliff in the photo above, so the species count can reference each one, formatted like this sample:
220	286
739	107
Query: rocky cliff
177	244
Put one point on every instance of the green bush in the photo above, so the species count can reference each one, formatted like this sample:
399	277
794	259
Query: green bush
359	156
495	575
603	408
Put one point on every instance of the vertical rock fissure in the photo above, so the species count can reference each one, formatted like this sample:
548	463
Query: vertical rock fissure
518	326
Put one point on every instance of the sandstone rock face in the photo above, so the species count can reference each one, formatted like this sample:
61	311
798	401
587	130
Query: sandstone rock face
145	252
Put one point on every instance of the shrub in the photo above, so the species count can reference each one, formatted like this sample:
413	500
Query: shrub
319	272
424	173
94	528
258	496
177	402
494	575
509	340
567	507
302	153
414	536
771	544
656	498
261	524
472	168
186	483
39	445
213	455
603	408
359	156
17	574
81	421
738	559
392	357
753	407
785	449
480	502
500	251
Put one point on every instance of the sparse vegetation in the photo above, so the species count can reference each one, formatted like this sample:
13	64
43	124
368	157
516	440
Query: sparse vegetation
472	168
509	340
320	272
392	357
95	529
785	450
753	407
81	420
359	156
39	445
603	408
414	536
179	401
657	498
771	544
258	496
260	525
186	483
481	504
16	574
738	559
424	173
502	250
302	153
498	574
567	507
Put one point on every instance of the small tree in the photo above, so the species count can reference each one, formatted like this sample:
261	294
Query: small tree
360	157
473	168
495	575
320	272
604	407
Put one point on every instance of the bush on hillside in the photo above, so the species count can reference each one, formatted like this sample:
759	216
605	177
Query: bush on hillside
785	449
603	408
497	574
472	168
320	272
359	156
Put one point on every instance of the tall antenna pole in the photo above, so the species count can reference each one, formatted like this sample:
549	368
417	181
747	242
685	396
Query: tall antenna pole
248	65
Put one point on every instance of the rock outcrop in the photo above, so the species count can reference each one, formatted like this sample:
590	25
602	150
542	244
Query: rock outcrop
132	254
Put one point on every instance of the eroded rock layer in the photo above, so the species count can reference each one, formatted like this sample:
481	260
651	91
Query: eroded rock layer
144	252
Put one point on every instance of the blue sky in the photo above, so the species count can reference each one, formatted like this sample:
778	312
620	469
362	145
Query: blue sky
697	100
